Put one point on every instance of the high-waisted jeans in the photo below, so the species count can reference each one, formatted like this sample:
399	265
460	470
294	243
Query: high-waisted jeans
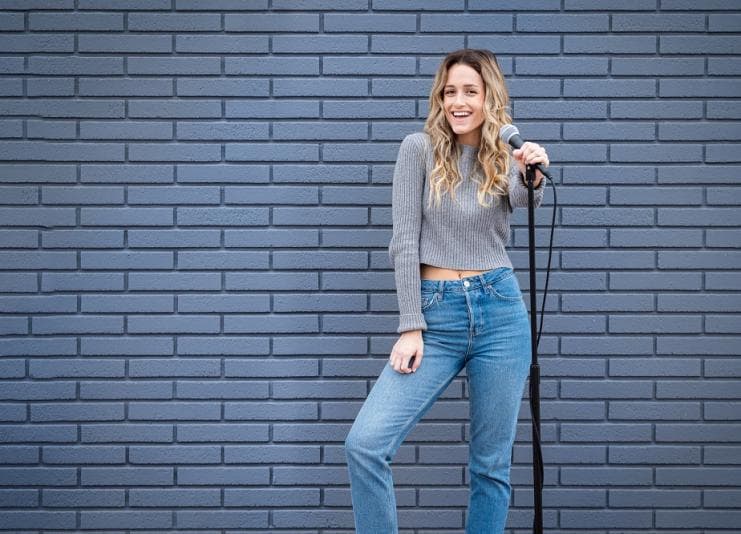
479	322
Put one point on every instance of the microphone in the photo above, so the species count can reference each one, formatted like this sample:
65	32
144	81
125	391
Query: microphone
511	135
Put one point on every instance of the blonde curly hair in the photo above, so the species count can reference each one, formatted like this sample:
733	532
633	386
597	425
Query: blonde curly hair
493	153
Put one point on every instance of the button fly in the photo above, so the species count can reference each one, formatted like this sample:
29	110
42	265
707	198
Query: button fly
466	283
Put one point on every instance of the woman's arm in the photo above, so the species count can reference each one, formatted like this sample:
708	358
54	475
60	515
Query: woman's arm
406	209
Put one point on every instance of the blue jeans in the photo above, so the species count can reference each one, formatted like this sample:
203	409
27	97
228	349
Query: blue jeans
480	323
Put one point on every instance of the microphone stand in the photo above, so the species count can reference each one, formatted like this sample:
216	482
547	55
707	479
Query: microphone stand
534	367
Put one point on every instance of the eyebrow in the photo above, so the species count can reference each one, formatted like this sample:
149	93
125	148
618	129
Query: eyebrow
466	85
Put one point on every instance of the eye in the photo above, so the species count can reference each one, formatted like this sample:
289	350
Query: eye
450	92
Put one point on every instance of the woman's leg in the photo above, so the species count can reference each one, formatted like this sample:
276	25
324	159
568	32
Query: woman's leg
496	370
393	407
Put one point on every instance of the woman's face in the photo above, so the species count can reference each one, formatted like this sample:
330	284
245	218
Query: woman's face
464	91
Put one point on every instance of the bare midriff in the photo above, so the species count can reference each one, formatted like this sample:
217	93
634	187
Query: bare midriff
430	272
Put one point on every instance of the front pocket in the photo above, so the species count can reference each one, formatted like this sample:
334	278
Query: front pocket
506	288
428	299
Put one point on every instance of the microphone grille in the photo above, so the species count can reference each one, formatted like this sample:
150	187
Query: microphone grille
507	131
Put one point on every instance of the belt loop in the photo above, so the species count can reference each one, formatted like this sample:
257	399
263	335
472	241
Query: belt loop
440	286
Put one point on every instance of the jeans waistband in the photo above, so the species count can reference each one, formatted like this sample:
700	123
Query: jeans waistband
467	283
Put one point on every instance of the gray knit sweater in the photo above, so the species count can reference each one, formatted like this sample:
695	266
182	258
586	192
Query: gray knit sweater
459	235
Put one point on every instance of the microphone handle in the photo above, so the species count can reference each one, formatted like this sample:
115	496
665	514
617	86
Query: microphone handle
517	142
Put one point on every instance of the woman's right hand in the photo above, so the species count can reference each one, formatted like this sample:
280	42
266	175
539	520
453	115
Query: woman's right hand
409	345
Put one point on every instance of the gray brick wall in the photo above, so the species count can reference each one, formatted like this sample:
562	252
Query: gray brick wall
195	292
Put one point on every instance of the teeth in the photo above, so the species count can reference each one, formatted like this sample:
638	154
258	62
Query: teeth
461	114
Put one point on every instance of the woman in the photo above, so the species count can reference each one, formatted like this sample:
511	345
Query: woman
459	301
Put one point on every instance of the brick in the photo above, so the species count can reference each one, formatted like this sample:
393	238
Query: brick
592	44
618	518
49	217
659	454
128	216
635	476
90	86
139	345
693	44
660	325
128	173
703	259
665	22
77	412
16	283
326	86
50	346
685	5
41	519
659	109
519	44
65	368
721	389
572	66
205	86
84	239
721	411
222	389
367	66
125	130
224	44
699	88
608	131
611	88
544	109
271	497
723	109
222	519
118	260
291	66
704	216
664	66
172	281
126	390
78	325
692	345
564	23
105	42
69	66
84	497
654	411
650	238
161	498
364	23
190	324
75	21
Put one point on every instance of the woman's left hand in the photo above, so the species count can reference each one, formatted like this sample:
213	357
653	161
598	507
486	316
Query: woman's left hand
530	153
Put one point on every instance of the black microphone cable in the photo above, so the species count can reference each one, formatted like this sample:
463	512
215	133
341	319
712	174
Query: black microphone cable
532	384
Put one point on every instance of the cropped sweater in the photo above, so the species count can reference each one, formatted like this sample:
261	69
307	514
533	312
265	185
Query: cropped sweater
458	234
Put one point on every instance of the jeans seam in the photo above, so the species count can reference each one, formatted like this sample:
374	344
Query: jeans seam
427	403
490	288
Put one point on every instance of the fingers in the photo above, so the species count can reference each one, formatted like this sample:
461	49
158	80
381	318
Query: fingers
530	153
405	364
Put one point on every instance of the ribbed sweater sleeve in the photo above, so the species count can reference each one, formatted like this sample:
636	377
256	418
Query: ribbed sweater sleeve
518	189
406	214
